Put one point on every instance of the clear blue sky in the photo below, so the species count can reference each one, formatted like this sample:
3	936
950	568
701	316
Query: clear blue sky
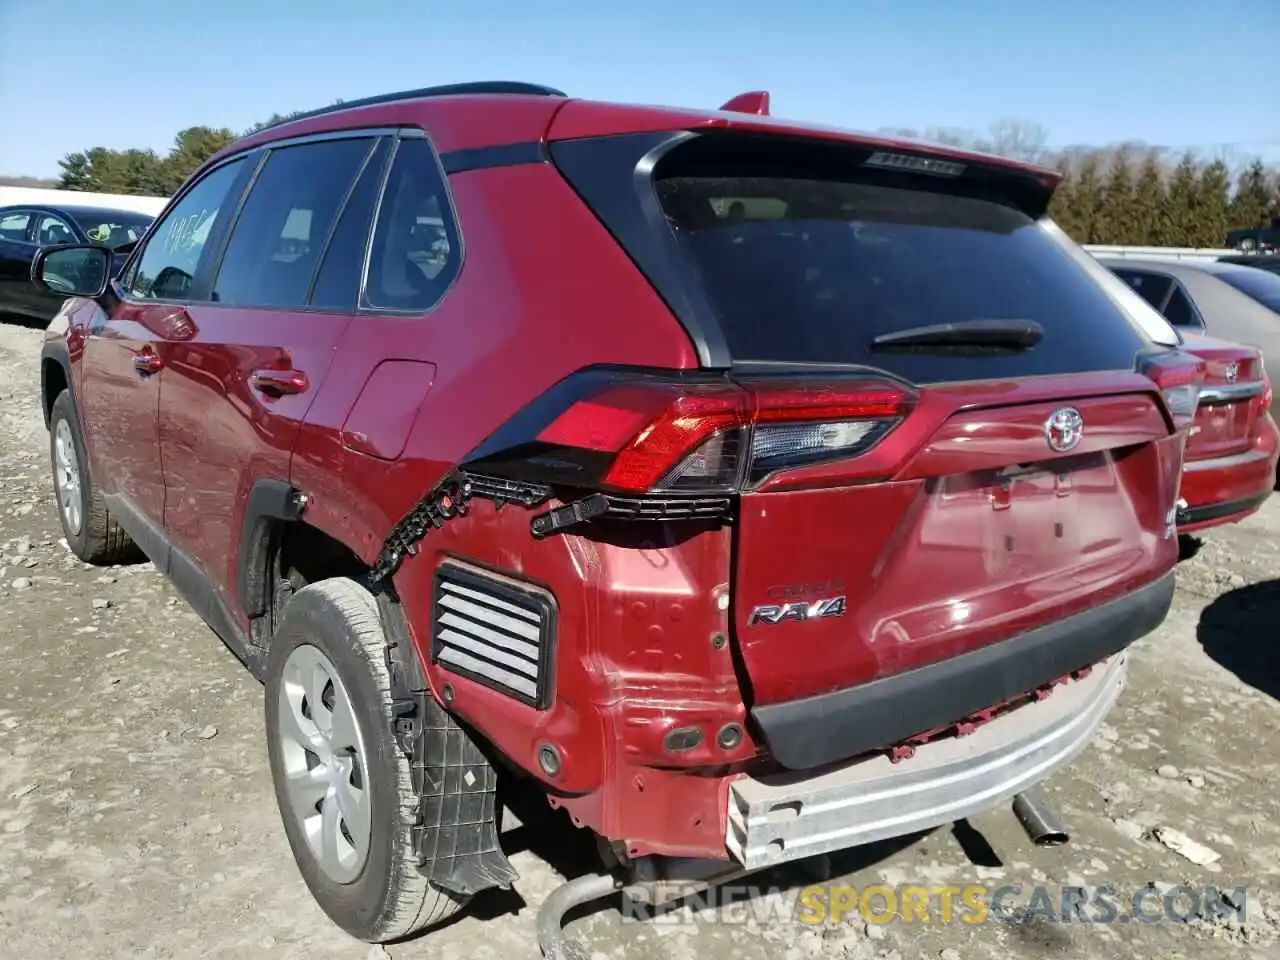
122	73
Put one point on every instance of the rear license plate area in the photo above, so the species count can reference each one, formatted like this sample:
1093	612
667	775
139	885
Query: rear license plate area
1028	519
1218	424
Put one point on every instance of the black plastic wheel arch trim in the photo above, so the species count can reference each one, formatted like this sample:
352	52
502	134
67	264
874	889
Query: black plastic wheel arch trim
455	834
270	502
55	351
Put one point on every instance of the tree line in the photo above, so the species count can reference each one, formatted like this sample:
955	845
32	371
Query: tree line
1132	194
146	172
1135	194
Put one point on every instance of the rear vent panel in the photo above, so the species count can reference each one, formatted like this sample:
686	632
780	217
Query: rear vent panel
495	631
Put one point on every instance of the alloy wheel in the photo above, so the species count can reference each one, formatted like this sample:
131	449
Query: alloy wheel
326	775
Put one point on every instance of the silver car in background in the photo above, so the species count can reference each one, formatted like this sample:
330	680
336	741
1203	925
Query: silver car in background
1224	300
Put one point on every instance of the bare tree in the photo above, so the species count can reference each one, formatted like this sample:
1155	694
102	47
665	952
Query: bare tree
1007	137
952	137
1016	139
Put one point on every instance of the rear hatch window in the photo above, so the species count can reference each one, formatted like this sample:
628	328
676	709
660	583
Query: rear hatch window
802	270
800	255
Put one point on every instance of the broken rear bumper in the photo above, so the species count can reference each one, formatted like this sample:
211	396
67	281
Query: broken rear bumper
829	728
785	817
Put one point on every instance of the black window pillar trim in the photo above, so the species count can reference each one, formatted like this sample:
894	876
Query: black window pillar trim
597	168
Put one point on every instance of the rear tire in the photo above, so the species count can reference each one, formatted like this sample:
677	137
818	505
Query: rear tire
330	646
92	533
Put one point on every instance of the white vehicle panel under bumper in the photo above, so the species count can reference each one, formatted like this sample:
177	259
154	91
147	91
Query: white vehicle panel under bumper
790	816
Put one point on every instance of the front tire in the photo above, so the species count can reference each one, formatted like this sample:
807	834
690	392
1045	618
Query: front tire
342	784
91	532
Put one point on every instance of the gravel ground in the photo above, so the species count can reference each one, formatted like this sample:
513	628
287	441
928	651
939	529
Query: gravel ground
137	816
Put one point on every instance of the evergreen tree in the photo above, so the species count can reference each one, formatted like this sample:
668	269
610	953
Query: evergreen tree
192	147
1213	190
1086	200
100	170
1119	219
1149	201
1061	205
1252	202
1180	203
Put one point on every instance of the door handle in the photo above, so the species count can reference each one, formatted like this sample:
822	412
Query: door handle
277	383
147	363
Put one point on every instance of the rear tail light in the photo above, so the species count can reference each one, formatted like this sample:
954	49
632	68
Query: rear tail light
745	434
1183	402
1179	376
653	436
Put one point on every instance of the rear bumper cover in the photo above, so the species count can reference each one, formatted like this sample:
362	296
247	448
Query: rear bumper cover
829	728
1225	489
783	818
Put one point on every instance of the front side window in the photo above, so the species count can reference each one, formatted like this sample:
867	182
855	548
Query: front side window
281	232
51	230
416	252
168	263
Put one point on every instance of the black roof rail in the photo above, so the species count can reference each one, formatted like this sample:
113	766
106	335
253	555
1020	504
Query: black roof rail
478	87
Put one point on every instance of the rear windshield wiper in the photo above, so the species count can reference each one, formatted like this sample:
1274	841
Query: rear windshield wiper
998	335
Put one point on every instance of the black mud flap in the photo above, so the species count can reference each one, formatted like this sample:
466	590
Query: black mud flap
456	836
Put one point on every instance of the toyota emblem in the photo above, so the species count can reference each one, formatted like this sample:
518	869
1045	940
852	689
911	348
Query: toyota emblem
1063	430
1231	372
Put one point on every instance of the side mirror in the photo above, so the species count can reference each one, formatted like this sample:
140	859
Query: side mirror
72	271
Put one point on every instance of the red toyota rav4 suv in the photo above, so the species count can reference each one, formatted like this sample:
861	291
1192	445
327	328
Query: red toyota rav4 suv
749	489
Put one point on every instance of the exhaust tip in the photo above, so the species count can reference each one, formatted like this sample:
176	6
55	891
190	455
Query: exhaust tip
1039	820
1051	838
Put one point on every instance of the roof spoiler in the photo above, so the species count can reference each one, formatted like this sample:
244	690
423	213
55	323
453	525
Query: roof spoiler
754	102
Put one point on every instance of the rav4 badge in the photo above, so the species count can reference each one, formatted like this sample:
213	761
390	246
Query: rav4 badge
800	610
1063	429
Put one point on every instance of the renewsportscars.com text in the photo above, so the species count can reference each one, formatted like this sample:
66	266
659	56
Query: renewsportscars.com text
944	904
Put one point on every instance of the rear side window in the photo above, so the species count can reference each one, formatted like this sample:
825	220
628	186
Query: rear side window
1179	310
277	239
113	231
1260	285
337	285
13	226
812	270
1152	287
415	252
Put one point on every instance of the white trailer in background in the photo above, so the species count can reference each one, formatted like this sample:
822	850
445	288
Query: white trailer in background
11	196
1160	253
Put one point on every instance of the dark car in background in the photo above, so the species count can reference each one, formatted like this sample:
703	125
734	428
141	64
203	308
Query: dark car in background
25	228
1263	261
1229	315
1256	238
